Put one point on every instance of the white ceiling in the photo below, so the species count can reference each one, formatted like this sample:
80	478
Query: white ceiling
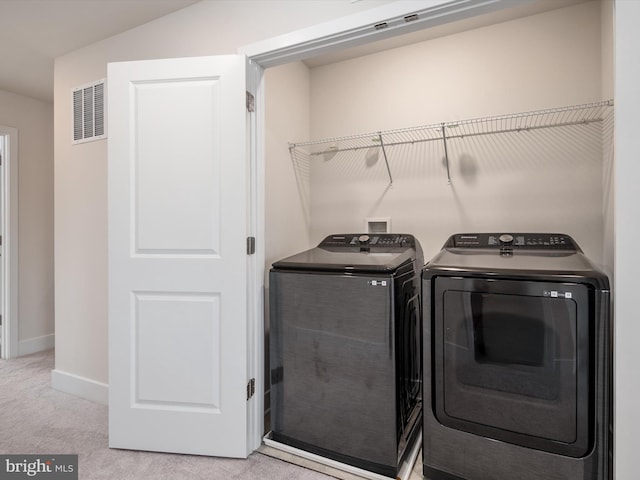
34	32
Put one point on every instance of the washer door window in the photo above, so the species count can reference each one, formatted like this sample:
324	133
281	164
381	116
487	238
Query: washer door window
511	361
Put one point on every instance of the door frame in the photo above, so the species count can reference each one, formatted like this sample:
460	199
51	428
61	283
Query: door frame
327	37
9	232
256	262
387	21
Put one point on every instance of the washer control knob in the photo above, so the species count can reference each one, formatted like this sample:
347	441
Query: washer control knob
505	238
363	238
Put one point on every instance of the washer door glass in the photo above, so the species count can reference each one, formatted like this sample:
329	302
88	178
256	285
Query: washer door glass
512	361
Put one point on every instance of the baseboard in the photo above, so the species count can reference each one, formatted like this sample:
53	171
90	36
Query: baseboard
80	386
37	344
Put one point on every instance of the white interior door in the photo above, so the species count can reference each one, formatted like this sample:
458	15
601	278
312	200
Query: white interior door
178	223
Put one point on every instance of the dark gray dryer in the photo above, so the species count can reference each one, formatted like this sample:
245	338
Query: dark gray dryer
345	345
517	360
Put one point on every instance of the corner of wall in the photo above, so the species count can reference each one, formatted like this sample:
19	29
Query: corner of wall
80	386
36	344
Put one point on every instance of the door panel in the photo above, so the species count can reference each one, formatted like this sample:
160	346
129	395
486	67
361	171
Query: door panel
187	197
178	216
190	379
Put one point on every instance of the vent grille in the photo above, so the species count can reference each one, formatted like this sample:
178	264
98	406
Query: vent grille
88	107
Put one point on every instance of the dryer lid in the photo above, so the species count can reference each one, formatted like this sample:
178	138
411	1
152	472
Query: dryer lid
355	253
514	254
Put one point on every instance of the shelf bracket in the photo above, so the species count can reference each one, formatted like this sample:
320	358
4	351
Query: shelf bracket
446	154
386	161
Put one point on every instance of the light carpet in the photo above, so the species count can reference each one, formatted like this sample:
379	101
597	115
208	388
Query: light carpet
35	419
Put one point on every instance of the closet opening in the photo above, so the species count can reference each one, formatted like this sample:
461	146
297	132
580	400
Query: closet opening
501	64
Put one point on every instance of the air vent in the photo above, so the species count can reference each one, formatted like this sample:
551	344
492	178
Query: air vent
88	107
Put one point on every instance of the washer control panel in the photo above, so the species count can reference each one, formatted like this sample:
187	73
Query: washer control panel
537	241
387	240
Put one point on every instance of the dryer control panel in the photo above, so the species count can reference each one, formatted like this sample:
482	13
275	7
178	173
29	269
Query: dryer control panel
384	240
532	241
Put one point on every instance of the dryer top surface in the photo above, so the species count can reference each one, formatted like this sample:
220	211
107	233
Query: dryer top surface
526	254
347	253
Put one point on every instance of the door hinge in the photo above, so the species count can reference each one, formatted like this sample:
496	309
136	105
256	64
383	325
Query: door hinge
251	103
251	245
251	388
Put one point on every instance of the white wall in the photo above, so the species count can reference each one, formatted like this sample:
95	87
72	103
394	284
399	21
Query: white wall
542	61
627	230
287	219
34	121
288	112
534	181
206	28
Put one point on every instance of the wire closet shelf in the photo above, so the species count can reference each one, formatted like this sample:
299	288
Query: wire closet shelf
442	132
